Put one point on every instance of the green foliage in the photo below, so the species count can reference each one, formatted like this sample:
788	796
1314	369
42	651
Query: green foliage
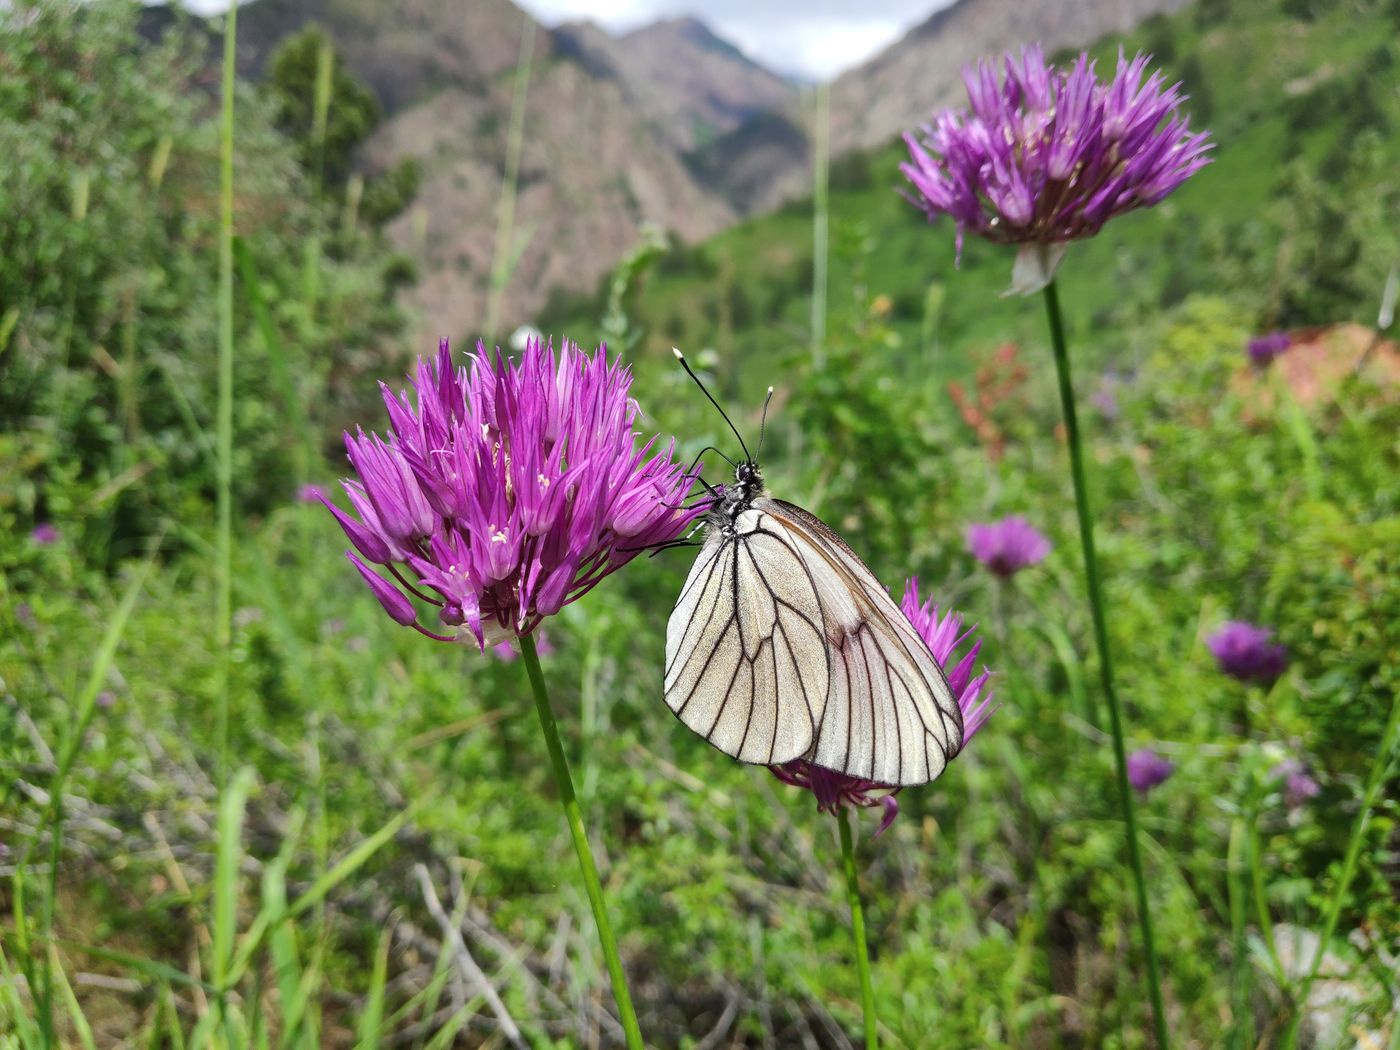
319	105
107	216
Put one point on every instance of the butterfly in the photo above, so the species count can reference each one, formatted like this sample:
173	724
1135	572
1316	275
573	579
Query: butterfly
783	645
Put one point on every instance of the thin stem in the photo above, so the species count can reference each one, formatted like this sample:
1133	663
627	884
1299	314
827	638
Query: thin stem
1374	780
821	148
501	254
867	988
1096	607
223	558
626	1014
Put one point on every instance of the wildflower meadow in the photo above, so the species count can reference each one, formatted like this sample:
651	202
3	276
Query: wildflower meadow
955	606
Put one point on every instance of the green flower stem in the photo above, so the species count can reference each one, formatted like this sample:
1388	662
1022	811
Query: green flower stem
867	988
1096	606
1374	780
574	815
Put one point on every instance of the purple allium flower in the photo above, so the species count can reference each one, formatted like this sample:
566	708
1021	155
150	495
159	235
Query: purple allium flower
1298	785
1264	348
1007	546
45	534
1048	156
1147	769
507	489
943	636
1245	651
311	494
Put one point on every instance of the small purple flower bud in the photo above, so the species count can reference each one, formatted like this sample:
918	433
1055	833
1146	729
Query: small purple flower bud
45	534
1007	546
395	604
1147	769
1265	348
106	699
1245	651
1298	785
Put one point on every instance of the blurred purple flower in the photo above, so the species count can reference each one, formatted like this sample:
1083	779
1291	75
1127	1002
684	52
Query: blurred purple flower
24	613
106	699
1007	546
1298	785
505	651
1263	349
1047	156
311	494
506	490
943	636
45	534
1245	651
1147	769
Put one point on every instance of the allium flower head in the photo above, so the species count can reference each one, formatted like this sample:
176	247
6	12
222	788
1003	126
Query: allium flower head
1263	349
1007	546
505	490
1045	155
944	636
1245	651
1147	769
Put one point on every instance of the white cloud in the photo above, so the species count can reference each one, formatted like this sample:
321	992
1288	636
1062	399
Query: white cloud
812	38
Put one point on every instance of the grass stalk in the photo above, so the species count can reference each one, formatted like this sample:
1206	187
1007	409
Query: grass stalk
574	815
867	986
502	255
821	216
1096	608
223	441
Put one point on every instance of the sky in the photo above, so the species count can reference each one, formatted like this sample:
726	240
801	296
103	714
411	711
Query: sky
812	39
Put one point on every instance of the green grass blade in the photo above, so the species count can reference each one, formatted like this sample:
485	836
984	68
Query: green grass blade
75	1011
372	1016
232	805
266	920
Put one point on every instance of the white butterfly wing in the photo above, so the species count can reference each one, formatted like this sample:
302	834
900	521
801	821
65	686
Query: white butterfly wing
784	645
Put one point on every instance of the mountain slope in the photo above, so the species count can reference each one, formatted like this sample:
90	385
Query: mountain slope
691	84
594	169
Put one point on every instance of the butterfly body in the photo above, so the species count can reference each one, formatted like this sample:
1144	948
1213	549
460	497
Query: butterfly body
783	645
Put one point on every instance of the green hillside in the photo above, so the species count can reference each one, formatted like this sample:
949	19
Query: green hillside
1297	217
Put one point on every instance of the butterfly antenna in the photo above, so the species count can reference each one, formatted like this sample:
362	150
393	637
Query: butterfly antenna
690	372
762	423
